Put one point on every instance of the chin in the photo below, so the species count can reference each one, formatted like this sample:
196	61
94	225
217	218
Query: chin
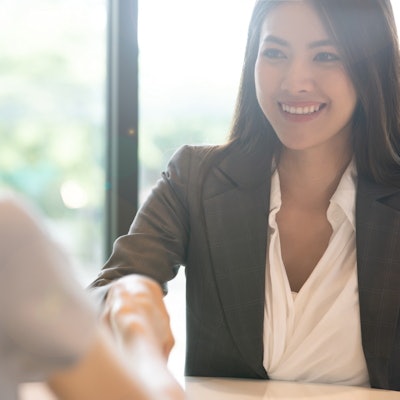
297	145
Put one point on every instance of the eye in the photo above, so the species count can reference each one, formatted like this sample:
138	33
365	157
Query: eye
326	57
273	54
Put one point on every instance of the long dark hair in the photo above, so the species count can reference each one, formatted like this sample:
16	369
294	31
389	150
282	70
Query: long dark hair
365	31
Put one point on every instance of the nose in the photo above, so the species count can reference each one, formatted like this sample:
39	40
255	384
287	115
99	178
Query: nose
298	77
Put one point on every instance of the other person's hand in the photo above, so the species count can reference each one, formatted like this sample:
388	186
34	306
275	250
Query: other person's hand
134	310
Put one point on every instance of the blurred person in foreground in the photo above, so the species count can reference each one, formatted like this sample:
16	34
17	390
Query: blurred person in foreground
49	329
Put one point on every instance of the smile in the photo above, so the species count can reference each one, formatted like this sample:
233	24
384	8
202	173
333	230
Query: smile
301	110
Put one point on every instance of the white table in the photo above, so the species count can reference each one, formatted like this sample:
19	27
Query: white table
241	389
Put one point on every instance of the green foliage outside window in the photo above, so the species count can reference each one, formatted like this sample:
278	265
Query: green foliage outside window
52	114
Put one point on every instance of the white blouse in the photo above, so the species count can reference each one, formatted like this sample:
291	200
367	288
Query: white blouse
314	335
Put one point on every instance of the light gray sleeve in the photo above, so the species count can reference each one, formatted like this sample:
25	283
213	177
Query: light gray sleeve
46	319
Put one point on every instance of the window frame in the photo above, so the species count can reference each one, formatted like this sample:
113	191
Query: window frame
122	119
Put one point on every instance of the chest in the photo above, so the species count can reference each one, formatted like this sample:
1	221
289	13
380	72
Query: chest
304	238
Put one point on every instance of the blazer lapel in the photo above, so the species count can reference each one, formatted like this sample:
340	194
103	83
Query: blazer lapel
236	215
378	259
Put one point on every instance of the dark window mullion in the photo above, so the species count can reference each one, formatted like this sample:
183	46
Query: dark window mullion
122	113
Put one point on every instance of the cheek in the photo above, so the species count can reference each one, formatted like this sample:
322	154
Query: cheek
347	93
264	84
343	87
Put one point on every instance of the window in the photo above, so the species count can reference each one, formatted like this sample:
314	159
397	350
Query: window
190	62
52	118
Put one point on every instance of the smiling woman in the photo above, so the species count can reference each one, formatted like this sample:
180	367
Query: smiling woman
190	61
277	286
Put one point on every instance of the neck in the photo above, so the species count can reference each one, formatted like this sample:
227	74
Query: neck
311	176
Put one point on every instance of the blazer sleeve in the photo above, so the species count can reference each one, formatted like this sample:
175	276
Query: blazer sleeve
157	240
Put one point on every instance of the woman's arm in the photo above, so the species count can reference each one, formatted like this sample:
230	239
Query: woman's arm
148	256
156	243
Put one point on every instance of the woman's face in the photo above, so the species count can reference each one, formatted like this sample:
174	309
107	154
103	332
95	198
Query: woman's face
301	83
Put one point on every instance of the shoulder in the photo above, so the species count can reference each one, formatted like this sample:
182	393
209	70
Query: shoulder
193	160
195	153
18	217
10	204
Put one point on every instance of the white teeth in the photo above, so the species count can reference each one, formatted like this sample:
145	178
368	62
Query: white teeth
300	110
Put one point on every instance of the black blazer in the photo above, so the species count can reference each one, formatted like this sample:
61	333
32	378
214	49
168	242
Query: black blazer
209	213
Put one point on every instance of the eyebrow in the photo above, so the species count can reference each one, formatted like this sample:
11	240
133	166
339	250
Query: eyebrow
312	45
